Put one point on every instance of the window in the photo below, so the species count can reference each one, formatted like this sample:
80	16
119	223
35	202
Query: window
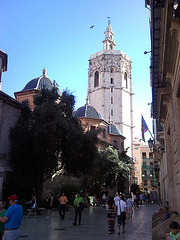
111	100
135	159
96	79
150	155
145	182
112	70
111	90
122	145
93	128
144	173
136	168
111	80
136	180
143	155
111	112
115	143
104	132
135	148
125	78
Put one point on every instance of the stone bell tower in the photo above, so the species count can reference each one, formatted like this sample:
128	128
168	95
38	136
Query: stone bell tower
110	86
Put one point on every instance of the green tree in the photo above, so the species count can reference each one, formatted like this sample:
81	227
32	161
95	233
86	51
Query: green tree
109	169
50	139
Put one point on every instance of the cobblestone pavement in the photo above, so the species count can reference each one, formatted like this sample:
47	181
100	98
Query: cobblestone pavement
94	226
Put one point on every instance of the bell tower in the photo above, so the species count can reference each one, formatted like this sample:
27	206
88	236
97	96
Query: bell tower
110	86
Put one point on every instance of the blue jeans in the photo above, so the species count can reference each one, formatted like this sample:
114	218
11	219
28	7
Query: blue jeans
11	235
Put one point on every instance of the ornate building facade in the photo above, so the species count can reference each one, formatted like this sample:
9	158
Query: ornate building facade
165	79
110	87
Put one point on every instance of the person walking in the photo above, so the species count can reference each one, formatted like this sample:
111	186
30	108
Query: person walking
104	200
33	206
62	207
129	204
12	219
78	203
49	201
111	214
117	198
2	213
121	213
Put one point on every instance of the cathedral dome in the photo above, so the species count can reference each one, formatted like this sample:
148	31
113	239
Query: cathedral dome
40	83
113	129
88	112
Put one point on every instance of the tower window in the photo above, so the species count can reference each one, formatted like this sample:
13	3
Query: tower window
111	100
111	80
111	112
96	79
111	90
125	78
111	70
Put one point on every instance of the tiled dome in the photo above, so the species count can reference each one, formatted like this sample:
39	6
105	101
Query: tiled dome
113	129
87	111
40	83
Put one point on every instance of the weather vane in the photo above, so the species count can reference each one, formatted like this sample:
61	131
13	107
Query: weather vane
109	21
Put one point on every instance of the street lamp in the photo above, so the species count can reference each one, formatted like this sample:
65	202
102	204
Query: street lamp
151	144
176	9
145	52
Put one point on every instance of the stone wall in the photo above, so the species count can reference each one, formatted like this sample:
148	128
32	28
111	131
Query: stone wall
9	112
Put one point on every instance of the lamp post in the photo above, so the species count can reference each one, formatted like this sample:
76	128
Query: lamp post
151	144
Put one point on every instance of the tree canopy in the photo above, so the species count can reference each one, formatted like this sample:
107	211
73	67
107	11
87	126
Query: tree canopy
48	139
110	169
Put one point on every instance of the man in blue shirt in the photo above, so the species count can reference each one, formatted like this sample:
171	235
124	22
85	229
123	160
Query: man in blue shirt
12	219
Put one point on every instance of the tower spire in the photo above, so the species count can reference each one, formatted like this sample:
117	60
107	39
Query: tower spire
108	43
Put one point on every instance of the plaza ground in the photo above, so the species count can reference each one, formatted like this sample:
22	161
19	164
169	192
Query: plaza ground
94	226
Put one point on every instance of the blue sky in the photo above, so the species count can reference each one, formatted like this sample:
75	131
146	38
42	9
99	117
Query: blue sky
56	34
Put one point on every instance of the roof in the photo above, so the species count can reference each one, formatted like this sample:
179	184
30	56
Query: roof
9	100
113	129
40	83
88	112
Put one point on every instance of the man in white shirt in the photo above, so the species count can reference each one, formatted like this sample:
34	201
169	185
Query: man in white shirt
121	214
117	198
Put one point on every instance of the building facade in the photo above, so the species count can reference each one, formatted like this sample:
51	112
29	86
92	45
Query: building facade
165	79
144	166
110	86
9	113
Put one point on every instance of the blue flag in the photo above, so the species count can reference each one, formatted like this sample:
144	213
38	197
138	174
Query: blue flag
144	127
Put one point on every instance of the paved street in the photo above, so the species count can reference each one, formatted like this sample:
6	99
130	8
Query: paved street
94	226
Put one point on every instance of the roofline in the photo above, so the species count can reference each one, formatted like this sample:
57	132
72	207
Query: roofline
24	92
95	119
8	99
